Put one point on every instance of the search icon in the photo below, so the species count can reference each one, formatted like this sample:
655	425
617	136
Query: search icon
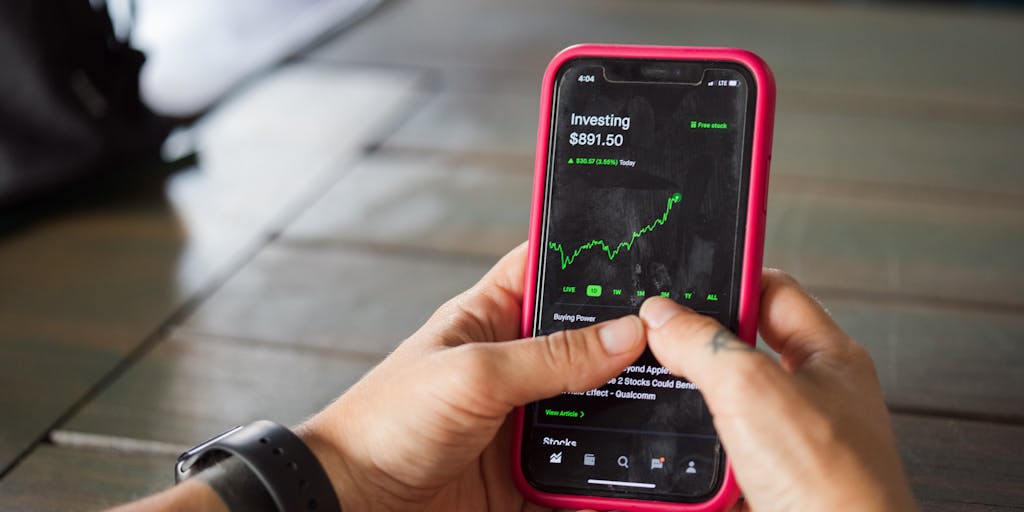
624	461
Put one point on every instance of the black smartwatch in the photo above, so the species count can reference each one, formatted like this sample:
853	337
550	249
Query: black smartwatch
288	470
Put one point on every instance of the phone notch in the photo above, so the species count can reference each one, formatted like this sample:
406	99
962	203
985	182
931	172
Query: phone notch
669	72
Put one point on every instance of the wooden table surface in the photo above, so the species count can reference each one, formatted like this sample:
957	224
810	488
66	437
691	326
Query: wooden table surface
340	198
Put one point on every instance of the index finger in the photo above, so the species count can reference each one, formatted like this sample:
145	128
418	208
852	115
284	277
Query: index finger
488	311
507	274
793	323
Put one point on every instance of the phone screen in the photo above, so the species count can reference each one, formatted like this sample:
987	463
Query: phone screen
646	195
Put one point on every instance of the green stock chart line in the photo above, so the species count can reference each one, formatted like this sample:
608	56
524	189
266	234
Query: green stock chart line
610	251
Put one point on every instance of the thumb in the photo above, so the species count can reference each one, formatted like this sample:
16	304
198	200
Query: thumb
532	369
697	347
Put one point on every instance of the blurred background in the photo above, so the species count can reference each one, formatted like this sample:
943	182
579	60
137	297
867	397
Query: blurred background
240	224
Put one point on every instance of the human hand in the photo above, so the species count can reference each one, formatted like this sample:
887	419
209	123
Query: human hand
811	433
428	428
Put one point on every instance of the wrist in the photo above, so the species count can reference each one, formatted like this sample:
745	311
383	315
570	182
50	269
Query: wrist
188	495
261	455
320	436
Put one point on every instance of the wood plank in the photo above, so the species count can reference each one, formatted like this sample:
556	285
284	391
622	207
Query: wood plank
834	143
917	251
472	123
962	465
38	385
355	300
78	293
86	286
56	478
966	155
873	49
428	202
940	358
321	109
191	387
953	506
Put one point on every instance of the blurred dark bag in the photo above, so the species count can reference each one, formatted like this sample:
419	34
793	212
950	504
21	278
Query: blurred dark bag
69	99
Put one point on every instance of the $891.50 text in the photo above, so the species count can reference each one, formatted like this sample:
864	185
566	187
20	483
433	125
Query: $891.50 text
595	139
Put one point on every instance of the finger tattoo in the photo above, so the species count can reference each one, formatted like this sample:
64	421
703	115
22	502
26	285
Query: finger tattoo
724	340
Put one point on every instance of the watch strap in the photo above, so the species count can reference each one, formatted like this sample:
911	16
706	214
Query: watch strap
238	487
289	471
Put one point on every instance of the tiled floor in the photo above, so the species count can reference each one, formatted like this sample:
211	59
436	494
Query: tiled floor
339	199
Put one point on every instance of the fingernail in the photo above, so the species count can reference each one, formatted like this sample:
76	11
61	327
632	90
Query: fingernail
619	335
656	312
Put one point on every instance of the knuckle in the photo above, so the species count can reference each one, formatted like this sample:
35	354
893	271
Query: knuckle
782	276
557	348
706	323
471	313
859	357
565	351
478	314
691	325
490	305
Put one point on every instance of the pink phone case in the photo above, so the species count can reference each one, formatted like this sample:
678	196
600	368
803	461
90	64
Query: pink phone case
753	248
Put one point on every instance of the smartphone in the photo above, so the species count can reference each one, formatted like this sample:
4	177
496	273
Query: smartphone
651	179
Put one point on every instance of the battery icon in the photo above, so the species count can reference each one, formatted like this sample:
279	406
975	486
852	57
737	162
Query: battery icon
733	83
